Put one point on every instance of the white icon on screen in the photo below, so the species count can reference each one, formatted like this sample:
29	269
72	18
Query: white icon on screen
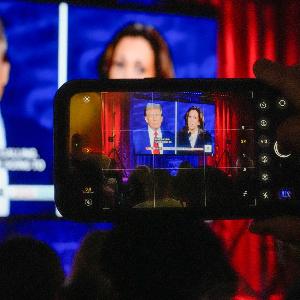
282	103
88	202
265	195
281	155
263	123
86	99
265	177
207	148
263	105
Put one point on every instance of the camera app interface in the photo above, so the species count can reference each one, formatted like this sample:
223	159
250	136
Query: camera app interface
171	149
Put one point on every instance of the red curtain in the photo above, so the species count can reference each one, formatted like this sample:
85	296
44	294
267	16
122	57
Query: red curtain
114	117
226	140
249	30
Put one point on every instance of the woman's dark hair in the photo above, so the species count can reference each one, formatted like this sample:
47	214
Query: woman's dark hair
3	42
200	116
163	62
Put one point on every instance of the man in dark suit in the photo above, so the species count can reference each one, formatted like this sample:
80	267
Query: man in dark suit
153	139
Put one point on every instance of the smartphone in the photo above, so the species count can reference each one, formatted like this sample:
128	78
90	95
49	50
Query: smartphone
202	147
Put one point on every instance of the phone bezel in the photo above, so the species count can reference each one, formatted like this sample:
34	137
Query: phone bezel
61	131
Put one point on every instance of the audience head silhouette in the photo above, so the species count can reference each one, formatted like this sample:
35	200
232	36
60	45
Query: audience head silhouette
30	269
153	259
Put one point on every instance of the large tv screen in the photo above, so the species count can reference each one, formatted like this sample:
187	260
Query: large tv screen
42	45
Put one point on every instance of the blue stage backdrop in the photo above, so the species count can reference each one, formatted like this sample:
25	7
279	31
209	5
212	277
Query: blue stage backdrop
191	40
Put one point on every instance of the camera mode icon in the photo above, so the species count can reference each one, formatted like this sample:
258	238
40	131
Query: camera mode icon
265	195
265	176
285	194
88	202
282	103
264	159
263	105
245	194
263	123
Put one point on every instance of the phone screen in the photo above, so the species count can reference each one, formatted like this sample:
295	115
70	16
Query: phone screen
181	149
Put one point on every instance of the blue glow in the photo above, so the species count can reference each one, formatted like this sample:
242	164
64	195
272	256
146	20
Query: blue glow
285	194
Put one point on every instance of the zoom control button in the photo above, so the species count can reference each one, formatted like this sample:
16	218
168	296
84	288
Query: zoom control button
264	141
88	190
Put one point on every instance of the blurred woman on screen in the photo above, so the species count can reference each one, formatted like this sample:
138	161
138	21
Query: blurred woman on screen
136	51
193	134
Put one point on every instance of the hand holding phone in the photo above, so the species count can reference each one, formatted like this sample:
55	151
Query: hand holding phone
286	79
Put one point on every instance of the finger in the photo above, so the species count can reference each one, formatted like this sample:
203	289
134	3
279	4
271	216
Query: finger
288	135
283	228
271	72
286	79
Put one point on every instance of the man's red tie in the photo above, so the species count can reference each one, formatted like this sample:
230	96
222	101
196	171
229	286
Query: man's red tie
155	144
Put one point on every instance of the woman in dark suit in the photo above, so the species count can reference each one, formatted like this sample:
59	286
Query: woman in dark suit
193	134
